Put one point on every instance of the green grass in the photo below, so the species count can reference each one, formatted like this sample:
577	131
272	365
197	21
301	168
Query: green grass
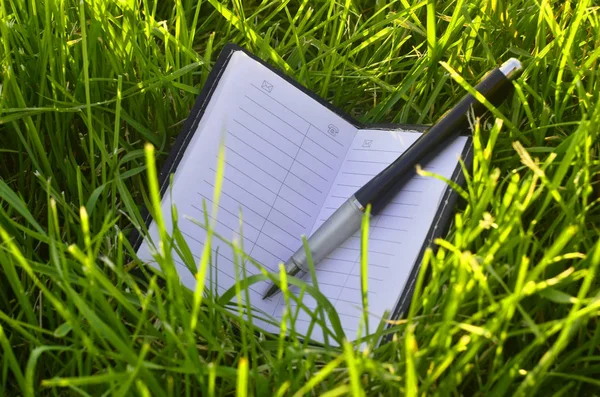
508	305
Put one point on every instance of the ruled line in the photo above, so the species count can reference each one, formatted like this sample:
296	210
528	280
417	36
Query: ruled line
283	230
293	205
229	212
282	151
319	145
370	251
219	253
379	239
380	266
222	256
349	301
316	158
396	216
273	114
405	204
306	182
222	224
357	173
270	97
288	217
269	127
278	242
379	150
359	186
234	199
390	228
372	229
249	177
299	146
368	161
269	253
250	193
327	135
345	274
311	170
299	194
341	260
251	162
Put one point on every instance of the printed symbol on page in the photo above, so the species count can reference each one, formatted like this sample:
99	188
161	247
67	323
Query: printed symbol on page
266	86
332	130
367	143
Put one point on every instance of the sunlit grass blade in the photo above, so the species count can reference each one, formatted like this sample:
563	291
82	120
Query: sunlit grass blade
504	303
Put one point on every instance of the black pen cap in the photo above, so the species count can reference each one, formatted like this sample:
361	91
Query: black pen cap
495	87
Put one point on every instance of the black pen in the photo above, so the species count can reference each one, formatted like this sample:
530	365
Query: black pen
346	220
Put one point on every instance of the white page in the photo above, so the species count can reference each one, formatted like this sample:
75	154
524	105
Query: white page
396	235
281	161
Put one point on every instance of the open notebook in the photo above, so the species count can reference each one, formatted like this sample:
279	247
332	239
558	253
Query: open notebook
290	160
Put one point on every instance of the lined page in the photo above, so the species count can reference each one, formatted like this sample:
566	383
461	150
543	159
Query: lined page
396	235
282	152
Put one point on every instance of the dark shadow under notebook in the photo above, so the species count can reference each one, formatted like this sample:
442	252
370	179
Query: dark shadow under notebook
290	159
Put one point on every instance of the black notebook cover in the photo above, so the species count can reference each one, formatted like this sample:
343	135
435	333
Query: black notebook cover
443	215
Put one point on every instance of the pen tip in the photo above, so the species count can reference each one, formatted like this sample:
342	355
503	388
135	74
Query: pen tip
271	291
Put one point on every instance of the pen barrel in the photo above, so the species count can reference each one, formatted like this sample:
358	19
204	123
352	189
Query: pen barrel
378	191
338	228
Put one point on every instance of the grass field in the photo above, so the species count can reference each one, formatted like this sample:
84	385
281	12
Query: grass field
508	305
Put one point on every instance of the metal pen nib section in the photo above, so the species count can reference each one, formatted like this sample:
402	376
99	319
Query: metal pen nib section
291	269
339	227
